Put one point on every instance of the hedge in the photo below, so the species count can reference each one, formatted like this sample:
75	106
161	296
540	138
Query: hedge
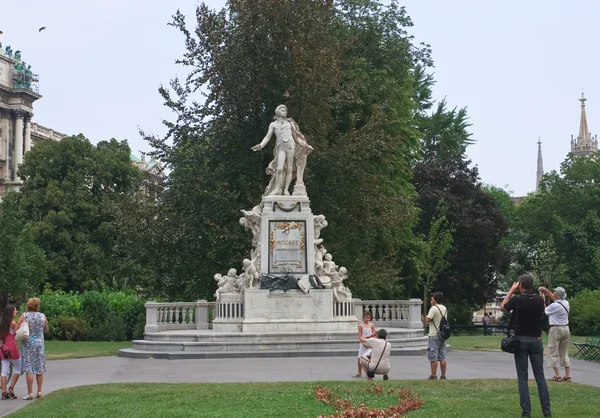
92	316
585	312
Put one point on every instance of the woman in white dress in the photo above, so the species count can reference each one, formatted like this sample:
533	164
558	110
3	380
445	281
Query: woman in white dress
366	329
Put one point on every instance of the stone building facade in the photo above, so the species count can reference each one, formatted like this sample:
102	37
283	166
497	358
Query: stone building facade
18	91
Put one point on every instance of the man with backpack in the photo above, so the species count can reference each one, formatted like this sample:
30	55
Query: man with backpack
439	332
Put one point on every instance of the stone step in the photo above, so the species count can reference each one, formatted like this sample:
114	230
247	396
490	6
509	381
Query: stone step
181	355
258	346
211	336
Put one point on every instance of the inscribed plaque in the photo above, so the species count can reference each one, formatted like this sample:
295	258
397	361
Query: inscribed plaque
287	247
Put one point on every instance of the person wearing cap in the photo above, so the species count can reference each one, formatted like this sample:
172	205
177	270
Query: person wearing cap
559	334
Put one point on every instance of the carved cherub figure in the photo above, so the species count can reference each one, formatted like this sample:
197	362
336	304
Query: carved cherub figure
251	274
337	284
227	284
329	265
319	223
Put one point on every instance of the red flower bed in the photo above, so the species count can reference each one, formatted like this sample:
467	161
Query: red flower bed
344	408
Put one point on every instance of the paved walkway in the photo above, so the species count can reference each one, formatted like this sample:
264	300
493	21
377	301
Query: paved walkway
461	365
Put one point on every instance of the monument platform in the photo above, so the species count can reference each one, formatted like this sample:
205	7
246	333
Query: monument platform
184	330
205	344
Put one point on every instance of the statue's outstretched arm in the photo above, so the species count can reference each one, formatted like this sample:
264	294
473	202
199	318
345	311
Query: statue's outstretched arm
265	140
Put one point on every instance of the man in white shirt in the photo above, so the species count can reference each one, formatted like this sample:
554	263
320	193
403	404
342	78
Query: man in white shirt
559	334
436	346
379	363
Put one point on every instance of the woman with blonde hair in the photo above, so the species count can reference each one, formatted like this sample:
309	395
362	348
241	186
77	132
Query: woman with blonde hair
33	355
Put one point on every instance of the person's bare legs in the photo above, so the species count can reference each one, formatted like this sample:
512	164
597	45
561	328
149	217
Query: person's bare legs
39	379
3	380
359	367
433	368
29	378
567	372
13	382
443	367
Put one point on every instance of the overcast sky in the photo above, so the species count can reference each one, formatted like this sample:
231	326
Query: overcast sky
518	66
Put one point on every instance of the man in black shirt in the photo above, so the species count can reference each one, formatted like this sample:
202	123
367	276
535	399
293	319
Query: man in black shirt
528	311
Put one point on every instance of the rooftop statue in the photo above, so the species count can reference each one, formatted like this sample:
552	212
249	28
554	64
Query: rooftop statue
18	55
8	51
291	150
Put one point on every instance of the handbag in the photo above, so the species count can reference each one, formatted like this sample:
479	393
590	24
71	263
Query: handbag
510	344
371	373
23	331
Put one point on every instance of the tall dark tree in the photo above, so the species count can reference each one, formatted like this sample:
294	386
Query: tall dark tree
71	197
346	71
22	263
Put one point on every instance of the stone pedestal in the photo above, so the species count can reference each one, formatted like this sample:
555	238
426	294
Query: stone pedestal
292	311
287	236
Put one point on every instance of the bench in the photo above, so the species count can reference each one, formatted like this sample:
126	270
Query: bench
477	329
590	348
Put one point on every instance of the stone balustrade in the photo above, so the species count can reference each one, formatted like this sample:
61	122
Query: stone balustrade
391	313
229	314
177	316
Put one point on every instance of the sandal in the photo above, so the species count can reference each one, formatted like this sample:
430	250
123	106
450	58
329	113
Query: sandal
11	393
5	396
555	379
566	379
357	376
39	395
28	397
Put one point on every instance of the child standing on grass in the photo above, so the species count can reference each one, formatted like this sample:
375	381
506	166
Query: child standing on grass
9	353
366	329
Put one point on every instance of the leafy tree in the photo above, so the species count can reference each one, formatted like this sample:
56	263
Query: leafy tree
438	244
22	263
71	196
562	221
347	72
515	242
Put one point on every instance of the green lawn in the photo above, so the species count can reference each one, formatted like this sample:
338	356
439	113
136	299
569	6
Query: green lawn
492	343
460	398
62	350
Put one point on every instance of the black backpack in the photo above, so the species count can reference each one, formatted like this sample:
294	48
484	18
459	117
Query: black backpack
444	330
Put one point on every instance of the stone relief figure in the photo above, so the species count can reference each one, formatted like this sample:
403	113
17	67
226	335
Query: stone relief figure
328	264
251	276
320	222
227	284
337	284
290	153
319	254
251	220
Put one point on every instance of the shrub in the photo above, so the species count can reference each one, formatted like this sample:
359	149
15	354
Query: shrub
70	328
95	316
585	312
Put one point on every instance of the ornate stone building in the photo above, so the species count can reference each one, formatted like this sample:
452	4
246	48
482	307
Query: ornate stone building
584	144
18	92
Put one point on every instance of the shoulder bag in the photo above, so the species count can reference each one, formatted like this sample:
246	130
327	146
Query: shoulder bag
371	373
510	344
23	331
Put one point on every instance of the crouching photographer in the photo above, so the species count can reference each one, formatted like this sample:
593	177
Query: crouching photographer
379	363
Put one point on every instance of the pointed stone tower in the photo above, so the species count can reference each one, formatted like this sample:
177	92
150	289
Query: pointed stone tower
585	144
540	166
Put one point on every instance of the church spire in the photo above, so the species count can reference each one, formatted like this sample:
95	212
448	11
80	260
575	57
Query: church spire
540	166
585	144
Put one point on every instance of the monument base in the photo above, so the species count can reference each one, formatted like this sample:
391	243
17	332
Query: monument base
293	311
